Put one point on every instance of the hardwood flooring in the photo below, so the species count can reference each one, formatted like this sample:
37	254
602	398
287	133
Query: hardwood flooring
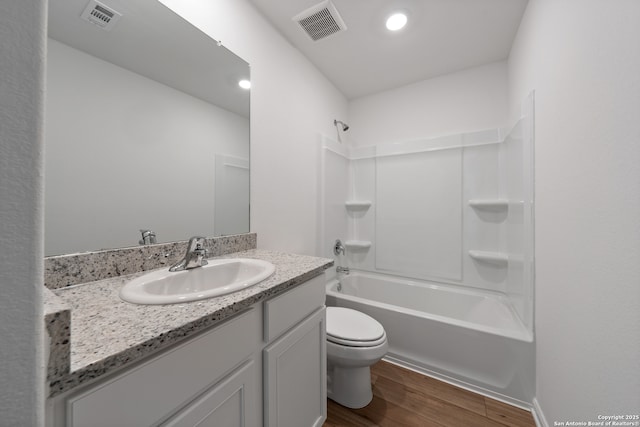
405	398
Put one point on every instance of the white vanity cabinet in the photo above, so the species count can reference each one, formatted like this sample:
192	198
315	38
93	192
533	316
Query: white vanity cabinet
151	392
295	361
264	366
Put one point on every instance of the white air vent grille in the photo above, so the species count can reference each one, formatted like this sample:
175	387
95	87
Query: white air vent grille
101	15
320	21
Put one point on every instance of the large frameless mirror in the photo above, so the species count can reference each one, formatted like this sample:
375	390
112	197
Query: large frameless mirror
146	128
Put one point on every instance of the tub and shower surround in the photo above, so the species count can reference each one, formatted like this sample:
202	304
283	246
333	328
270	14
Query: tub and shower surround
465	336
454	212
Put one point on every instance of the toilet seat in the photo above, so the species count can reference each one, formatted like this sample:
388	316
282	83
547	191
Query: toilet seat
348	343
353	329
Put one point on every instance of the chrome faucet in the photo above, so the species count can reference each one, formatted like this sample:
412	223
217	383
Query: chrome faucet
338	249
148	237
196	255
344	270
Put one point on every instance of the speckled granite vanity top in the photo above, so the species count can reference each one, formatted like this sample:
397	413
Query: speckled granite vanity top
107	333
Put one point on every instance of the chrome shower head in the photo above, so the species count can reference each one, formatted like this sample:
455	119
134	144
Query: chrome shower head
345	127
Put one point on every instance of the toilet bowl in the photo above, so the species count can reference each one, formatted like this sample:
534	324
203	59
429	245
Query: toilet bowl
355	341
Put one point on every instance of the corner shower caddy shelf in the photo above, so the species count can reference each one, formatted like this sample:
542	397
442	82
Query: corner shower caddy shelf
488	256
357	244
497	204
357	204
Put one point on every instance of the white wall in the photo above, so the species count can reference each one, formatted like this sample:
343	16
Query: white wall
22	42
291	102
582	57
118	155
465	101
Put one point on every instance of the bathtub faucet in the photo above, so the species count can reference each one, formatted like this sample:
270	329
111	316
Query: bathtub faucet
344	270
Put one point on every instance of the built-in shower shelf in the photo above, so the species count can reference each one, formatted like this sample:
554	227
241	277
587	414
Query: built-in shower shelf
488	256
357	244
489	203
357	204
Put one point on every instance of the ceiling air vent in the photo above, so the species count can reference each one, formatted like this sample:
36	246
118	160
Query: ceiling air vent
320	21
101	15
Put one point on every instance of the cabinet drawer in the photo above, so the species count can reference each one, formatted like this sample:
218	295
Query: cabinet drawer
284	311
146	394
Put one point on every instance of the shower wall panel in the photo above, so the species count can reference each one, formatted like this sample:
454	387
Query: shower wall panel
518	182
334	190
419	214
362	221
483	228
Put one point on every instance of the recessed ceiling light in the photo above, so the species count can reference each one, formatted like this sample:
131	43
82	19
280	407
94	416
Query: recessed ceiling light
244	84
396	21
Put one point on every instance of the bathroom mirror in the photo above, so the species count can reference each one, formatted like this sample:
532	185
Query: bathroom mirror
146	128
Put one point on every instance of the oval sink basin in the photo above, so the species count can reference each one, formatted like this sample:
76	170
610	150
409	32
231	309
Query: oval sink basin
218	277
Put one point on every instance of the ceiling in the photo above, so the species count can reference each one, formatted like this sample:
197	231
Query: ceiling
441	37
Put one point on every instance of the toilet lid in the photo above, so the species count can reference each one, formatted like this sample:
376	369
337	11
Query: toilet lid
353	328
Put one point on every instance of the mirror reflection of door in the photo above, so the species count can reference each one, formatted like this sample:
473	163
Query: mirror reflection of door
231	195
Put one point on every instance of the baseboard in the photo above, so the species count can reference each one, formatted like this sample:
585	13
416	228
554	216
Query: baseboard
461	384
538	415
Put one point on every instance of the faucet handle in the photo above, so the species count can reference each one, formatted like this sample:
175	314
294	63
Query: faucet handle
196	245
201	252
148	237
194	257
196	242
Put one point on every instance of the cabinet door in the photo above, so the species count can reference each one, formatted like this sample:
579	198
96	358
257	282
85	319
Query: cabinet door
228	403
295	384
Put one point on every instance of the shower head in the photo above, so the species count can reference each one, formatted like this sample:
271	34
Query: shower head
345	127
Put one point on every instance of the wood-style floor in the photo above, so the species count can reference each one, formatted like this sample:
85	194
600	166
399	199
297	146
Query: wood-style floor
405	398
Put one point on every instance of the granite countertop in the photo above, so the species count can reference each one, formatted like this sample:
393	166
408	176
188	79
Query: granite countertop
93	332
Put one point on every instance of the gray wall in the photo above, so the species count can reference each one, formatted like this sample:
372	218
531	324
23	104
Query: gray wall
22	43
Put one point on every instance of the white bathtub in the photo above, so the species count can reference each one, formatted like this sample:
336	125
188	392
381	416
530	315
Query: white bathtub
471	338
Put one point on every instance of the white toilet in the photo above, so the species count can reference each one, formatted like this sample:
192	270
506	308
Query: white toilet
355	341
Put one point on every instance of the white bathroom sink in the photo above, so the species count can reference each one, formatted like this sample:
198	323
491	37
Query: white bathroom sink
218	277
